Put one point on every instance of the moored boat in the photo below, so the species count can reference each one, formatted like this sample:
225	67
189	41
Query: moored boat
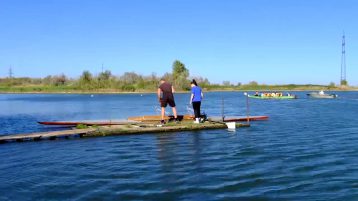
321	94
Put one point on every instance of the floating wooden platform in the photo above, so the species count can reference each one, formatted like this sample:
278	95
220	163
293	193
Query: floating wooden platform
115	130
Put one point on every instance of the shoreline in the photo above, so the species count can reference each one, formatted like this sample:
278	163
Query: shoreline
351	89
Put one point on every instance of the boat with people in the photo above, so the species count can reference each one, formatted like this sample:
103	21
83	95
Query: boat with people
272	95
321	94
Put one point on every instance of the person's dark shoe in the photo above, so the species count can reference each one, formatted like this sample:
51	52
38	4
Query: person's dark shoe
162	122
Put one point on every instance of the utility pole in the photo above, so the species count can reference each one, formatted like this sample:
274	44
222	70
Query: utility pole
343	61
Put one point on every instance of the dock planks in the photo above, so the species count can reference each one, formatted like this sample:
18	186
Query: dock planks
45	135
114	130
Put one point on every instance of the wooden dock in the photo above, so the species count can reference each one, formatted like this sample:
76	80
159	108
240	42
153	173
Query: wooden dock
45	135
114	130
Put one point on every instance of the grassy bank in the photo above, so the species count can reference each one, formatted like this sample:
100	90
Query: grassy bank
131	82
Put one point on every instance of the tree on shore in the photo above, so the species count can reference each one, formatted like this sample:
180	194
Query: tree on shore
226	83
253	83
331	85
180	75
105	79
203	82
344	83
169	77
130	78
86	80
60	80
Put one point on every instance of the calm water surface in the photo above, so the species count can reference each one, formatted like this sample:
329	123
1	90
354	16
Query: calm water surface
307	150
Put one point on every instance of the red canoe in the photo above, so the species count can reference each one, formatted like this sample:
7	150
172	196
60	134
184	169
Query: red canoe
158	118
239	118
88	123
133	120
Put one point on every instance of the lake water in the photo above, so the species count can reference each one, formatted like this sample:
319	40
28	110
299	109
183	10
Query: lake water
307	150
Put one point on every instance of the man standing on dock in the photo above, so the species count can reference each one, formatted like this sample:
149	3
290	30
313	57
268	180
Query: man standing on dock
165	97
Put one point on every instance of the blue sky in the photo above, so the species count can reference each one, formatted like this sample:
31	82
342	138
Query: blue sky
269	41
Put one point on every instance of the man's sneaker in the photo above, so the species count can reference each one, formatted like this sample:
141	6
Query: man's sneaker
162	122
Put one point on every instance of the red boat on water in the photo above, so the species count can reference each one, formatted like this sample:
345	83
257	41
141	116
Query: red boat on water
86	122
130	120
239	118
141	119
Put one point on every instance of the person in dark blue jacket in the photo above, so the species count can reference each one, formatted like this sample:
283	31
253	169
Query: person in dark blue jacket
195	99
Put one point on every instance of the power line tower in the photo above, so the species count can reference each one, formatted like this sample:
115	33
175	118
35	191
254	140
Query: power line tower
11	73
343	61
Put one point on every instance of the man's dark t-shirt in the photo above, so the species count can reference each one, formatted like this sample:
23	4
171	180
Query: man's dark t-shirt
167	96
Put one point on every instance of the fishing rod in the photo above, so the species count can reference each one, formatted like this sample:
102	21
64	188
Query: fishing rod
222	109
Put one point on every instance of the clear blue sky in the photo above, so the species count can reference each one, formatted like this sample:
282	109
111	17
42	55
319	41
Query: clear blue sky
269	41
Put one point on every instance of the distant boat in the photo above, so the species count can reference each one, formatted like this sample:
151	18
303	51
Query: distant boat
321	94
272	96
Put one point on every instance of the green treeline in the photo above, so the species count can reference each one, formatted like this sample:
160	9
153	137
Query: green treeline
133	82
103	82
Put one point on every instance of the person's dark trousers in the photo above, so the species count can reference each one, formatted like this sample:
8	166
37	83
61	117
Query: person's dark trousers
196	107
